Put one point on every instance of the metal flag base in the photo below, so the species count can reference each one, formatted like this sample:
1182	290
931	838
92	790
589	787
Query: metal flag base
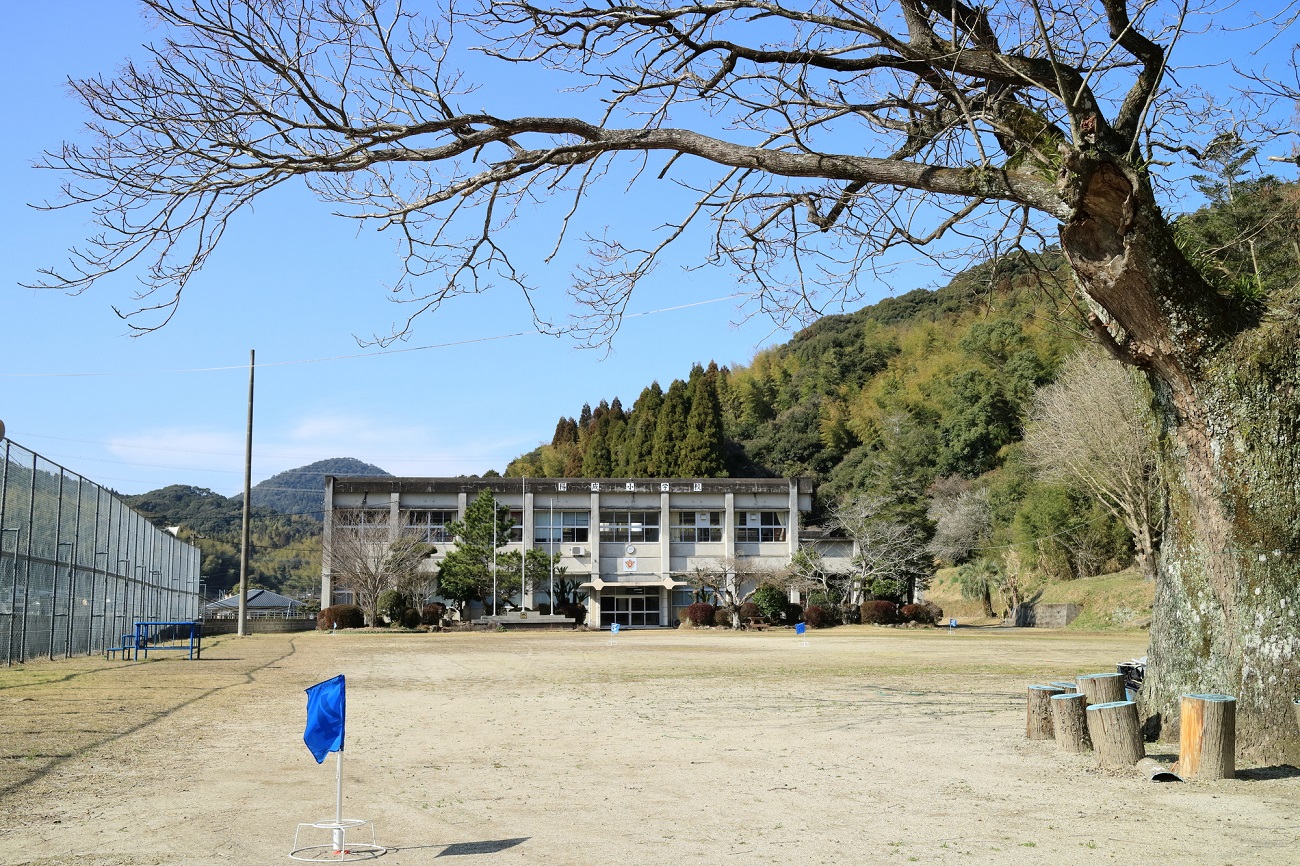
338	848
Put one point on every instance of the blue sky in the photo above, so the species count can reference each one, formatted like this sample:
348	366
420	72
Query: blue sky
295	284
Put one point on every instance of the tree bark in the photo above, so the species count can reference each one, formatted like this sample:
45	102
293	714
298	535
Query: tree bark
1038	712
1228	395
1070	722
1113	728
1101	688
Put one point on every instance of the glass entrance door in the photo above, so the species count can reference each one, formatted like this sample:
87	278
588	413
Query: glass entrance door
630	606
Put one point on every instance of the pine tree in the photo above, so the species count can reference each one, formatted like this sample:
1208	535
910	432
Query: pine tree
670	429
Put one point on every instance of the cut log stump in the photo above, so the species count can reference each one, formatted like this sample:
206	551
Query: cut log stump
1296	705
1113	727
1070	722
1065	685
1207	740
1038	712
1102	688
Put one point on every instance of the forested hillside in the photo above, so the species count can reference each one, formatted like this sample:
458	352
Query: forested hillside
926	388
919	403
285	547
302	490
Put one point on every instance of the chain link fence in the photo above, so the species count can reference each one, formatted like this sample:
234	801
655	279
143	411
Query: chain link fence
78	567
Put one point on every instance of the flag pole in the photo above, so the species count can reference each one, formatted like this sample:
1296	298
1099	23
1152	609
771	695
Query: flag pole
338	805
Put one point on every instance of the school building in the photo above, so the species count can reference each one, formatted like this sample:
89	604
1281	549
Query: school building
631	541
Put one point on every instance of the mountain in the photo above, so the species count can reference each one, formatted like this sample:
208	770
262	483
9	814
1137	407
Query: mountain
302	490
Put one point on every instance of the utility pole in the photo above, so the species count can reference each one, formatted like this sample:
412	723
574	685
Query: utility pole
248	481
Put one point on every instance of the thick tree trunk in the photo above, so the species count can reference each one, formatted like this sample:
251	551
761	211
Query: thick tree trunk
1227	381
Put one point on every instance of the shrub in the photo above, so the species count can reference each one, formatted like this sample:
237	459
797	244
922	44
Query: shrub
793	613
722	617
819	617
342	616
433	613
575	612
700	613
749	610
390	605
936	612
772	601
879	612
410	618
916	613
888	589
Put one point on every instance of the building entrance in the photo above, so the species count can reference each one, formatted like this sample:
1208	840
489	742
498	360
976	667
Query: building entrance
630	606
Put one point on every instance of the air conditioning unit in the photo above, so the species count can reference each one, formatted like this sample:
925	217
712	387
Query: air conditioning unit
577	550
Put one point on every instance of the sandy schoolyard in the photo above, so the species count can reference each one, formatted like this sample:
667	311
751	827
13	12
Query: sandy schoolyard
868	745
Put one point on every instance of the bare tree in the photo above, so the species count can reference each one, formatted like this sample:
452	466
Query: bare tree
883	549
815	138
1091	429
731	581
369	556
962	518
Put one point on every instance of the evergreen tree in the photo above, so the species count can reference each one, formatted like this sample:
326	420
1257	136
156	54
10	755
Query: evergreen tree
466	572
700	454
596	462
639	437
669	431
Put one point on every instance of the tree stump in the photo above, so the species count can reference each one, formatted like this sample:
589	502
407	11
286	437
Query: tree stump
1070	723
1065	685
1113	727
1038	712
1102	688
1207	740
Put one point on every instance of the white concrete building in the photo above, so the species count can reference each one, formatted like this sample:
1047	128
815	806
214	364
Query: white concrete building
631	540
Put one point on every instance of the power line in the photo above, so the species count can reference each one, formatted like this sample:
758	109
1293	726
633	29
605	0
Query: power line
349	357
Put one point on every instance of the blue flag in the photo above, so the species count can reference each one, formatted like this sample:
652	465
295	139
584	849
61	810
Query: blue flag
326	710
800	628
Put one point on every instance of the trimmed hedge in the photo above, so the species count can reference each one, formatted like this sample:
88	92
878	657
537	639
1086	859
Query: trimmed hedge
793	613
878	612
817	616
721	617
700	614
916	613
936	612
749	610
433	613
342	616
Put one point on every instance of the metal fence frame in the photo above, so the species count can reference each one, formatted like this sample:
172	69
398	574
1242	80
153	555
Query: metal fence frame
78	567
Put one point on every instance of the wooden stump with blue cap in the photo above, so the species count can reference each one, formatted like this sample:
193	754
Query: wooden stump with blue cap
1207	737
1116	737
1038	712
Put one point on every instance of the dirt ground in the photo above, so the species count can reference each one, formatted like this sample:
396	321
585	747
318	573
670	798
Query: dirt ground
868	745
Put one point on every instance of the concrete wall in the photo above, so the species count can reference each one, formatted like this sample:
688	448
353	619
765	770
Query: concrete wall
257	626
1046	615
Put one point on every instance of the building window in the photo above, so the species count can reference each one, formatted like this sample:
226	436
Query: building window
431	525
703	526
629	525
361	517
760	526
571	527
517	531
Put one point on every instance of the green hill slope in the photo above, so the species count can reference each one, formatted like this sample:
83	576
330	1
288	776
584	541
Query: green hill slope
302	490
